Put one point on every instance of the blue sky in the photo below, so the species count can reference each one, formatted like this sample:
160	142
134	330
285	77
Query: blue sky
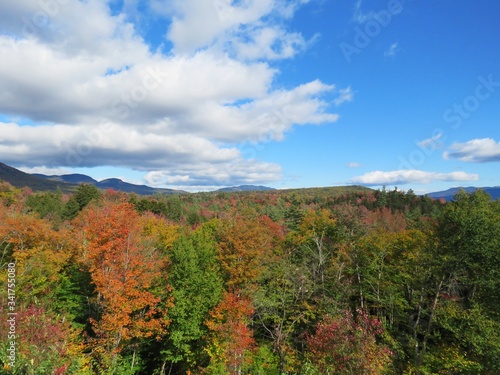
200	94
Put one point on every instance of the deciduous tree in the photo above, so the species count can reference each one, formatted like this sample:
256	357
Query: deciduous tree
124	267
230	338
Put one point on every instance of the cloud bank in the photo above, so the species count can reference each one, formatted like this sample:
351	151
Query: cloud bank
87	91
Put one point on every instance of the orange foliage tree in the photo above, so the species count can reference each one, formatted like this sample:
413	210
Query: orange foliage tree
39	252
124	265
245	247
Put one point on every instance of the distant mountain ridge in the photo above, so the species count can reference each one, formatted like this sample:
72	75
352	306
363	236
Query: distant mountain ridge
74	178
20	179
245	188
117	184
448	195
110	183
68	182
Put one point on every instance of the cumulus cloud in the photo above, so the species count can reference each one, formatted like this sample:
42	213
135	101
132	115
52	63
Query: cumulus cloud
252	28
402	177
482	150
196	24
236	172
90	91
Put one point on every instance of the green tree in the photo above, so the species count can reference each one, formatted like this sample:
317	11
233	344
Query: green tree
283	307
70	209
46	205
85	193
469	313
197	287
469	235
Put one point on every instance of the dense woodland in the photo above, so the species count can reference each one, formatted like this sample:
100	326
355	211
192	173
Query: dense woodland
313	281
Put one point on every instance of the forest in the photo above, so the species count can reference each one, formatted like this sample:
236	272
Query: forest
307	281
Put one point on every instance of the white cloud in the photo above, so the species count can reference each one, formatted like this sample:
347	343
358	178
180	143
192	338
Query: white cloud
46	171
269	43
87	91
432	142
236	172
402	177
199	23
345	95
252	29
391	52
475	151
112	144
353	164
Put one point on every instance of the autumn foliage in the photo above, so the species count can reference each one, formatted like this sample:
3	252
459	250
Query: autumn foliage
307	282
124	266
231	338
348	345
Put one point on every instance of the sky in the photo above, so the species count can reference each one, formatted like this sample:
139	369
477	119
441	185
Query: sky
202	94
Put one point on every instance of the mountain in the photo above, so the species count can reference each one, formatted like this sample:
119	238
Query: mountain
68	182
448	195
74	178
245	188
110	183
21	179
117	184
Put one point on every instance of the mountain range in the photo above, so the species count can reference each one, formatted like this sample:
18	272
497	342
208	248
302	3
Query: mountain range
68	182
110	183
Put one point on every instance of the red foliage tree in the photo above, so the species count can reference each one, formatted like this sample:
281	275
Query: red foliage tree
43	341
231	337
347	345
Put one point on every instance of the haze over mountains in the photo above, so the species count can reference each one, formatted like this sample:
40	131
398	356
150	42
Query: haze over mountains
67	182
